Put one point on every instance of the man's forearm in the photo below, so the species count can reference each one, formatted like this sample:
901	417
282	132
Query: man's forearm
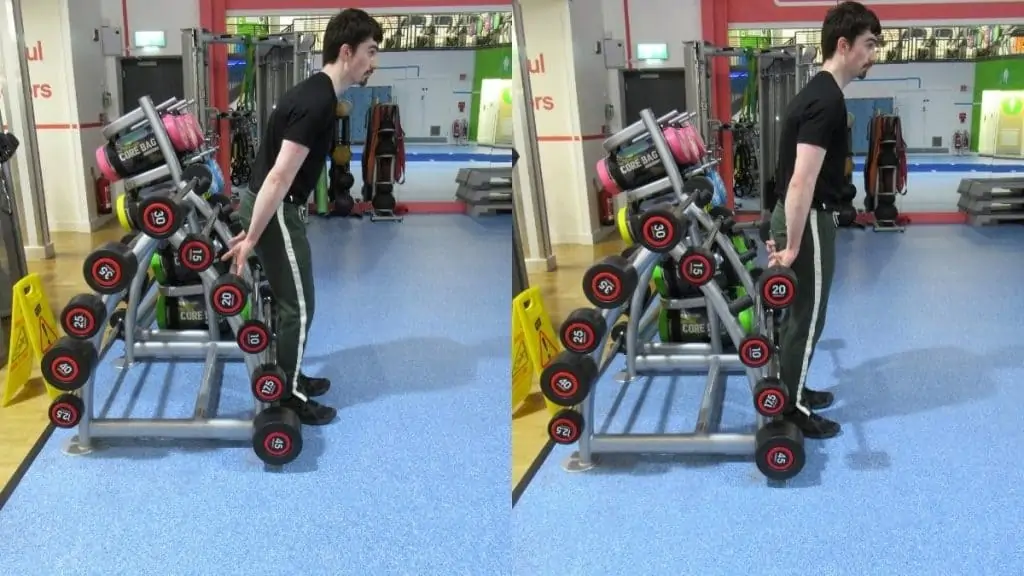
798	205
270	196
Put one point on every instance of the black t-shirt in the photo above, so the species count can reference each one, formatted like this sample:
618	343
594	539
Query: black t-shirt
305	114
816	116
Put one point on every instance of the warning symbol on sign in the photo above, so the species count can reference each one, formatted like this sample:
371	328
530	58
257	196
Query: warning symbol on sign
47	334
548	349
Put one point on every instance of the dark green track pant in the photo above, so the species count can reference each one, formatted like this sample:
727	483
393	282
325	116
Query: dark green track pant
284	252
814	267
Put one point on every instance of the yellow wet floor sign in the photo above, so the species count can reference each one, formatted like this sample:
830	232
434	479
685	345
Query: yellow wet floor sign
534	345
33	333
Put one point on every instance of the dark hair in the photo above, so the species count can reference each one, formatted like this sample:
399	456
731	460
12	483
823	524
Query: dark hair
847	20
350	26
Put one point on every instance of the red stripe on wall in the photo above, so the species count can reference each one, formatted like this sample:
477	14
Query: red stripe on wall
59	126
297	6
571	138
765	11
124	28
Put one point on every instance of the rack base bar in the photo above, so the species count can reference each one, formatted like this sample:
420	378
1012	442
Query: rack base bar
184	429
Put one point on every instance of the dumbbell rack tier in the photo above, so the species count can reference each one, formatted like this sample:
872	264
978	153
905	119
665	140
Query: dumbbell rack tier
135	120
695	233
886	192
388	160
143	343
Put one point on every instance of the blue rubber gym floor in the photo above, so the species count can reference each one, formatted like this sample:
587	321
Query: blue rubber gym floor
412	478
923	351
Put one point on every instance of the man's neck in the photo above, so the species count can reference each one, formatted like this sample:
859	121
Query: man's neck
832	67
337	75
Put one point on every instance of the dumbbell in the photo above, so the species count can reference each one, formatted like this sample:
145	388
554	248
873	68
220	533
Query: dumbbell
726	216
277	436
228	295
697	266
583	331
777	287
779	451
160	216
568	379
610	283
660	229
253	337
196	253
110	268
269	383
203	176
83	316
66	411
566	427
770	397
68	365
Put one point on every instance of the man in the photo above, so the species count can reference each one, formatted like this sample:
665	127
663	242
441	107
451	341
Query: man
812	159
292	155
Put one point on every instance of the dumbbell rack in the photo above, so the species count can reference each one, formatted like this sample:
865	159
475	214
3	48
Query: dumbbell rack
163	172
173	219
683	233
886	192
384	214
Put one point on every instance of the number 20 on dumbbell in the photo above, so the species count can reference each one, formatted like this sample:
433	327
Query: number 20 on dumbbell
228	295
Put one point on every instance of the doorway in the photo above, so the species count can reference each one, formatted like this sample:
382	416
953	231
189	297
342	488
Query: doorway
12	258
159	77
863	110
660	90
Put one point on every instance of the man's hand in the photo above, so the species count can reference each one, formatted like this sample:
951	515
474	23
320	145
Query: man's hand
239	249
783	258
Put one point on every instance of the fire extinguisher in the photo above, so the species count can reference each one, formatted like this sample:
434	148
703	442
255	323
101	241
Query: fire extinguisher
606	205
101	187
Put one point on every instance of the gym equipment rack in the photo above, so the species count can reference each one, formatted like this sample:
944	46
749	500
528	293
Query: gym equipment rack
782	73
182	219
677	232
283	60
989	201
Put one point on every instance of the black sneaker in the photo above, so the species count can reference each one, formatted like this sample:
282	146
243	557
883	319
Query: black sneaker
817	399
814	426
310	412
314	387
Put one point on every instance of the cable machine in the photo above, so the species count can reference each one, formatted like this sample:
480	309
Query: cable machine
274	63
780	73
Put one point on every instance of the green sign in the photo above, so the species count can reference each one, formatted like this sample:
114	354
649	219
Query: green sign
1012	106
652	51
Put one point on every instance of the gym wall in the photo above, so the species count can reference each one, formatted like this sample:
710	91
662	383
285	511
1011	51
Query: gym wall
927	95
428	86
64	63
1002	74
670	22
488	63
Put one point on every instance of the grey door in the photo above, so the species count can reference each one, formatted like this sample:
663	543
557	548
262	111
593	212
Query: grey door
12	258
660	90
158	77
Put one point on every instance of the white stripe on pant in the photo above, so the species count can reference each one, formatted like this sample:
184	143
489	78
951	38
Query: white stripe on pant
300	295
815	311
